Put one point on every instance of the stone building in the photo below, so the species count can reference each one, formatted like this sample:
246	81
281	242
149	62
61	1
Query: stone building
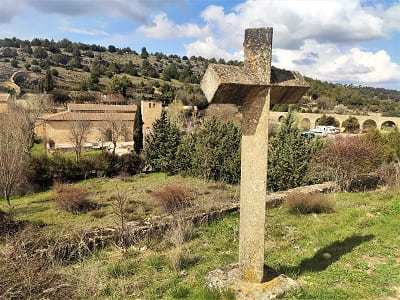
56	128
151	111
4	102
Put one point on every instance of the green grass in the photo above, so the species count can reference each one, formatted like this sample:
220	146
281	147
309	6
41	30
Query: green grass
40	208
361	236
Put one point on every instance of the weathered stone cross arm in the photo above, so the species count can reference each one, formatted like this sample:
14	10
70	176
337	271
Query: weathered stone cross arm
233	84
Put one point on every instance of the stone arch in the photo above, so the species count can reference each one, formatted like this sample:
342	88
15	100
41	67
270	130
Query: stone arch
388	124
281	118
335	122
305	124
368	124
351	125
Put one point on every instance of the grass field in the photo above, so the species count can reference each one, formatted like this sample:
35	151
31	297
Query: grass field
40	208
361	236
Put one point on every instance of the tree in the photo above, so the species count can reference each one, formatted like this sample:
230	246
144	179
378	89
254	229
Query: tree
14	148
113	129
119	84
79	128
144	54
40	52
351	125
162	144
212	152
327	121
111	48
138	131
48	82
289	156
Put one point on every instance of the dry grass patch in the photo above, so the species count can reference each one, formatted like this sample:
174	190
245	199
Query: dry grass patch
73	199
173	197
302	203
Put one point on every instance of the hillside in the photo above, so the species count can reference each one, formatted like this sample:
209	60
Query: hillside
83	67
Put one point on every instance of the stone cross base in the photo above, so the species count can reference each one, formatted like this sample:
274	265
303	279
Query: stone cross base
274	285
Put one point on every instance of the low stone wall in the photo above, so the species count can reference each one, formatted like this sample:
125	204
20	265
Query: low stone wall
155	227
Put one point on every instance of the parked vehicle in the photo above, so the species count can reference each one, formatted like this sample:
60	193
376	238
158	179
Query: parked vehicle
332	130
308	135
319	132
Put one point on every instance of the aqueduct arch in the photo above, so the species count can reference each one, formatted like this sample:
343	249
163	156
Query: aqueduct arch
388	124
368	124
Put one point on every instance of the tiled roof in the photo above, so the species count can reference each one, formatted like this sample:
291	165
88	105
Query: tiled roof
70	116
101	107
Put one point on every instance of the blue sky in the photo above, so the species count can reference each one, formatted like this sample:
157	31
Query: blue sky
348	41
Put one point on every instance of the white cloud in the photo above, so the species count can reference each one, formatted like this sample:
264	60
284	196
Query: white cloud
392	15
335	64
162	28
318	38
137	10
92	32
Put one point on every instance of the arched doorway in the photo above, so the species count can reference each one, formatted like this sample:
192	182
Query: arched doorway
281	118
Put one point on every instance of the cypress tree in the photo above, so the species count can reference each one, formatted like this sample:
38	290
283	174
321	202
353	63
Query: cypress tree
48	82
138	131
162	144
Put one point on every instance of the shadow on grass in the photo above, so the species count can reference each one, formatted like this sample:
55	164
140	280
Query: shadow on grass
319	263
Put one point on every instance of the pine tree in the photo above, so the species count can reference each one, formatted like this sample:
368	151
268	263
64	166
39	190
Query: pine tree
289	156
162	144
138	131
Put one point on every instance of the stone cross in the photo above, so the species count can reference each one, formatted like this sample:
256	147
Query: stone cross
254	87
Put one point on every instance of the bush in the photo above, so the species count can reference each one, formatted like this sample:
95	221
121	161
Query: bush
212	152
36	69
342	159
302	203
73	199
173	197
364	182
389	173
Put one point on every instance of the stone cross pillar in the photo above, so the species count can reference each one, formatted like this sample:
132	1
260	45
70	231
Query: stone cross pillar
253	87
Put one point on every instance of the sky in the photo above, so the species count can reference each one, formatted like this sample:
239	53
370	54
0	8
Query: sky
346	41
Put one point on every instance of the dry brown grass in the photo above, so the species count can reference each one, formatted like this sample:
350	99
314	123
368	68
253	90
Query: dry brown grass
302	203
173	197
73	198
26	275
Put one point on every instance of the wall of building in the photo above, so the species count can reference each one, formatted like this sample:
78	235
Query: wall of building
151	111
59	132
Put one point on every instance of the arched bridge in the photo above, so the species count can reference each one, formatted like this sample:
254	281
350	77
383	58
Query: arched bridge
309	120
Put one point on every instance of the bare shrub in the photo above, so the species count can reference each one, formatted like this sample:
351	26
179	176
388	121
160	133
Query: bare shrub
120	202
26	275
180	233
182	259
389	173
73	198
173	197
302	203
342	159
